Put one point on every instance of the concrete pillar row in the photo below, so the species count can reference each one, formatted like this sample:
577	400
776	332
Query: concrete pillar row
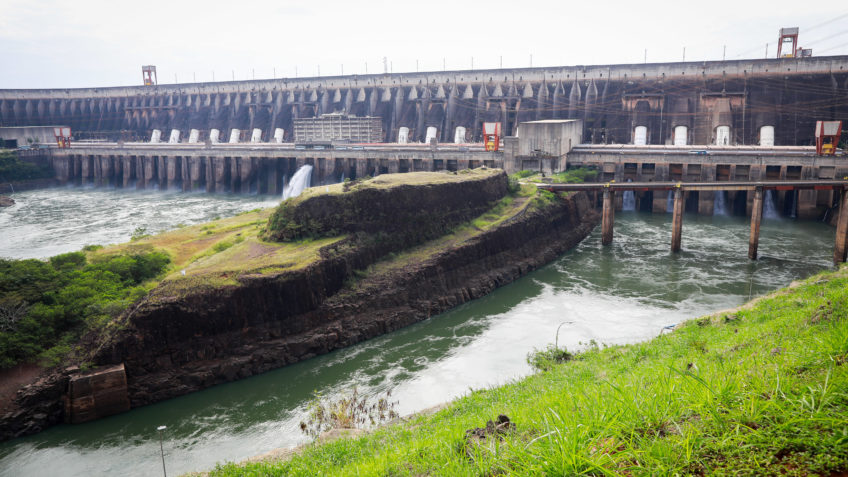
677	220
756	219
608	217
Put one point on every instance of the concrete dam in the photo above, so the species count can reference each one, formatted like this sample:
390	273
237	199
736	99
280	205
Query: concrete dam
744	102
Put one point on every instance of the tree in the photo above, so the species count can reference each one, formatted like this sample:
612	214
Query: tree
10	315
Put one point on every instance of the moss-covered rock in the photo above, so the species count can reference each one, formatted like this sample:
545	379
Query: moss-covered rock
408	211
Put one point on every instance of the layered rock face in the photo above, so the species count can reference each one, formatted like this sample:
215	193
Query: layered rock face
173	345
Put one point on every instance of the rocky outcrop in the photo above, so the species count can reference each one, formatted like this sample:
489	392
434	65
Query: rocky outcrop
6	201
174	345
409	213
182	345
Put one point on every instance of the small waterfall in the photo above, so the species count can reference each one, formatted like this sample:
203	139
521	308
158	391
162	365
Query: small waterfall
769	210
719	203
794	203
299	181
669	203
341	179
628	200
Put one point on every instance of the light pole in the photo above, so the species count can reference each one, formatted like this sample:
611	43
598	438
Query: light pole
162	449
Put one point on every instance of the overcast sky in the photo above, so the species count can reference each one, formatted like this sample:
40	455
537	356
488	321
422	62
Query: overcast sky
81	43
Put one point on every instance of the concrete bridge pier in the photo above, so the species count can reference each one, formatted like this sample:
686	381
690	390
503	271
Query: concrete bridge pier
361	168
106	170
127	164
209	173
706	202
660	202
839	252
677	220
608	216
756	218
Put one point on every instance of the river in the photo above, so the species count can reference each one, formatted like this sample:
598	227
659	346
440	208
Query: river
619	294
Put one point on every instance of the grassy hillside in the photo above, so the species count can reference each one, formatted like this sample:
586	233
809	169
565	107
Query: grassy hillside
758	391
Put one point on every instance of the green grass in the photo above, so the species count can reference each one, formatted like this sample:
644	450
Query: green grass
759	391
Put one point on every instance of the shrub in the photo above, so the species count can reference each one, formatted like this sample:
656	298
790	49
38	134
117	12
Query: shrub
50	304
352	410
544	360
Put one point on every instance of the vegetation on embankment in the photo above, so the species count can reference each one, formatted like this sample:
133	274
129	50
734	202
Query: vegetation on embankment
571	176
757	391
45	306
13	169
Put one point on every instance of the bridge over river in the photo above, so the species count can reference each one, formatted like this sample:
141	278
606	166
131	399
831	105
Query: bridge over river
609	190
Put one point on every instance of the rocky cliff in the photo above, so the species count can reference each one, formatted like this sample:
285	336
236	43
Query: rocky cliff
173	344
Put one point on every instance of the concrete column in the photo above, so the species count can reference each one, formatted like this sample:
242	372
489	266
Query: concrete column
105	170
162	177
220	173
85	169
361	168
209	164
394	166
839	252
608	216
706	202
235	174
677	220
247	173
660	202
756	218
128	170
149	170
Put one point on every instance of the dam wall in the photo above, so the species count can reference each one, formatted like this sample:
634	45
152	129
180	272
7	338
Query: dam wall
654	103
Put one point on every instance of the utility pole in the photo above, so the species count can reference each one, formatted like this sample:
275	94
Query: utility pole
162	449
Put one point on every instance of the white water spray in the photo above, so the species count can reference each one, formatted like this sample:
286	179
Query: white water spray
669	203
719	203
769	209
299	181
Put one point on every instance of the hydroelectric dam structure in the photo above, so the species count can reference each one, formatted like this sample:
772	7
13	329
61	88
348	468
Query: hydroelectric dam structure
724	102
740	120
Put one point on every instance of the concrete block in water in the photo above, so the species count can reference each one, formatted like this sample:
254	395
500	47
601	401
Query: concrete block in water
97	394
